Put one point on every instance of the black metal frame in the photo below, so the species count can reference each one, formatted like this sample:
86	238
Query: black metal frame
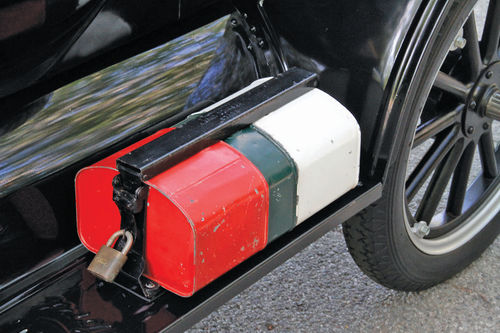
184	312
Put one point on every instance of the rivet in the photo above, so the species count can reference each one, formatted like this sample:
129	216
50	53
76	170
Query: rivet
261	43
253	29
486	126
470	129
472	105
489	74
249	47
234	22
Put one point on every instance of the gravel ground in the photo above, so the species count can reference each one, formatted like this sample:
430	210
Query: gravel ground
322	290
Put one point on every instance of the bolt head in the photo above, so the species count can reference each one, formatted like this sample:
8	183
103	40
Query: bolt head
489	74
150	284
472	105
234	22
253	29
249	47
460	42
486	126
470	129
421	229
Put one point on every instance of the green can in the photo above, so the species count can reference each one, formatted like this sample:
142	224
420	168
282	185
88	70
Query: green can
280	172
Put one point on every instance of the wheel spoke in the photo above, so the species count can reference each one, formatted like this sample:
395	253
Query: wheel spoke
487	153
451	85
491	32
436	125
459	182
438	183
472	47
430	161
478	187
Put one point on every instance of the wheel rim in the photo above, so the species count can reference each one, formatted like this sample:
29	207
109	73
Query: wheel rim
457	121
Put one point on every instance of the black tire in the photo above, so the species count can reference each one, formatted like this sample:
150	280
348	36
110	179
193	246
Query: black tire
378	238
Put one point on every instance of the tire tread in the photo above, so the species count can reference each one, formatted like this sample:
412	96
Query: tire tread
365	236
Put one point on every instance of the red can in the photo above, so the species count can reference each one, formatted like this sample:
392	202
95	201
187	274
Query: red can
203	216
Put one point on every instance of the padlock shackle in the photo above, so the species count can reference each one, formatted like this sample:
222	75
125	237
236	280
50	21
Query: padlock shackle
122	233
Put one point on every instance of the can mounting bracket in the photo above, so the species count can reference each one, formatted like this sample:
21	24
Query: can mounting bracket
136	167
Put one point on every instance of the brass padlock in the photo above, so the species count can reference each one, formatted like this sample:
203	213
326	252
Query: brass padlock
108	262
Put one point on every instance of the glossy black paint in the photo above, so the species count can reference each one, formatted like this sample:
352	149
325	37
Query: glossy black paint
35	36
91	114
80	37
402	75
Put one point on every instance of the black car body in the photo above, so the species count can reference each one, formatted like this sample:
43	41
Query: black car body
82	79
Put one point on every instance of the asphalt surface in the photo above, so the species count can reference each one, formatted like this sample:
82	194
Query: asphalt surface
322	290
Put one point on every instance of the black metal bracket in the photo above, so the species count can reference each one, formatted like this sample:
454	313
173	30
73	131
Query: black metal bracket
254	40
130	196
259	34
197	133
131	279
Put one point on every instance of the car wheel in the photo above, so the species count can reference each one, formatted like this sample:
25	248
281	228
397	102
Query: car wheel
437	214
